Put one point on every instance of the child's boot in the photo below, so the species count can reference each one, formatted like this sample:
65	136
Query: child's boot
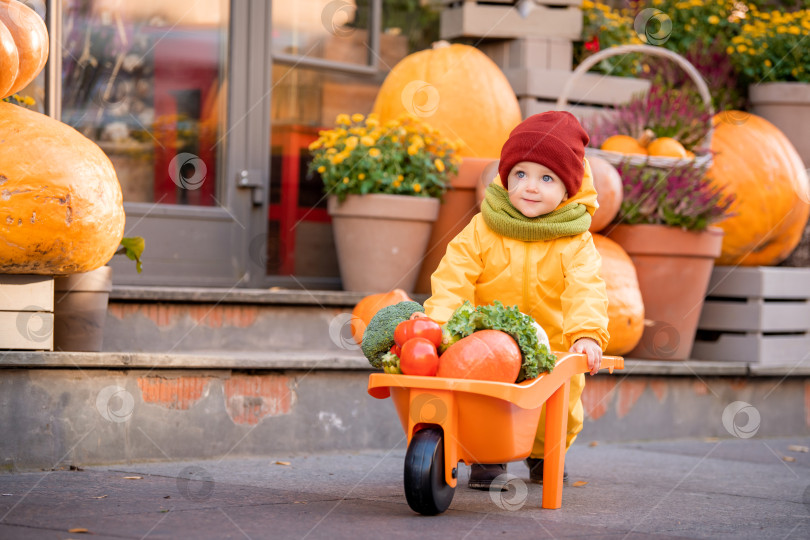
484	476
536	470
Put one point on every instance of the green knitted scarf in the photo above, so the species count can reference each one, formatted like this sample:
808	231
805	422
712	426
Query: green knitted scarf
506	220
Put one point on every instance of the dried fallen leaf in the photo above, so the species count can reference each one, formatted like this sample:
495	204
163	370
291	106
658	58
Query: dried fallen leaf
711	439
133	478
78	530
579	483
99	497
282	463
797	448
789	459
593	443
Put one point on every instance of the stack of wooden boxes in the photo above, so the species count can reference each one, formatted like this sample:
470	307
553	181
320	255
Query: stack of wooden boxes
759	315
532	43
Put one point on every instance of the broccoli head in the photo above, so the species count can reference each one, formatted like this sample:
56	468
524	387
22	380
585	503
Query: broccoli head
379	335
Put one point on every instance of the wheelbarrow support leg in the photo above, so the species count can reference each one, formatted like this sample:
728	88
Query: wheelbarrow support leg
556	430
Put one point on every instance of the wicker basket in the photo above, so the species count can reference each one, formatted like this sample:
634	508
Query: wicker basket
660	162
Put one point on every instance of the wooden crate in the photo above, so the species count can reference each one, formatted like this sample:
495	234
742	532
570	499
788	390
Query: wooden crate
757	315
26	312
530	106
513	2
470	19
530	53
588	89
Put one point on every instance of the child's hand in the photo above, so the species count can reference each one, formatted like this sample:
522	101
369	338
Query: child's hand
592	349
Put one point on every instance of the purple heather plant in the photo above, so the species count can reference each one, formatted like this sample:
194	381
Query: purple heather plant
667	111
678	197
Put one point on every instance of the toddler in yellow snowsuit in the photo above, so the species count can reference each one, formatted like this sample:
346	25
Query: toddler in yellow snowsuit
530	247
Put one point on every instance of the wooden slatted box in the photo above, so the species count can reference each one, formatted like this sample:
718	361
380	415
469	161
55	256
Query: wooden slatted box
759	314
26	312
496	20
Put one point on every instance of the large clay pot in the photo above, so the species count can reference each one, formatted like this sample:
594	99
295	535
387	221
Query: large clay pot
673	267
458	207
381	239
787	106
80	309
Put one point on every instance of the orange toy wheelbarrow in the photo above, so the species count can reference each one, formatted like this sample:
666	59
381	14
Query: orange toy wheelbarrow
452	420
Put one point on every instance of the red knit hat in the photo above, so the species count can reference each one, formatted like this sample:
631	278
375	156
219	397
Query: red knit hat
554	139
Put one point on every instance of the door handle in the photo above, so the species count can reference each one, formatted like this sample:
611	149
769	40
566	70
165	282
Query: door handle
252	179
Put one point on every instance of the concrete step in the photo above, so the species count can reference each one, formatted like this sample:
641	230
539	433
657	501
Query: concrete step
58	408
162	319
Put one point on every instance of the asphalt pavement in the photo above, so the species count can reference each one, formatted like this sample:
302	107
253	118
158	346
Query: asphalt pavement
731	488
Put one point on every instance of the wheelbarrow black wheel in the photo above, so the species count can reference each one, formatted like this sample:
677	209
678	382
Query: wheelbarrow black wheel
426	490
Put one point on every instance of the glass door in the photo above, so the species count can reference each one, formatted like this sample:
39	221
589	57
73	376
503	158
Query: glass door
171	91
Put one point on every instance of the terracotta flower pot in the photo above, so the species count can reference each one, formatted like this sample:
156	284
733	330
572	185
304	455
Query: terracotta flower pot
80	310
381	239
673	267
456	211
787	106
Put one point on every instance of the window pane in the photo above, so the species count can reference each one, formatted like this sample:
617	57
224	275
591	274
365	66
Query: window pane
145	81
329	29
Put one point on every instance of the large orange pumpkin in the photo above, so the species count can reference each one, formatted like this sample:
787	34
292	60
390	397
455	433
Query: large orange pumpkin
456	89
609	194
625	306
61	210
369	306
755	161
23	46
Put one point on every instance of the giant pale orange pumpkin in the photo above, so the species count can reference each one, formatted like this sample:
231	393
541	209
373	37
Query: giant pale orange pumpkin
609	194
367	307
625	306
61	210
756	162
456	89
23	46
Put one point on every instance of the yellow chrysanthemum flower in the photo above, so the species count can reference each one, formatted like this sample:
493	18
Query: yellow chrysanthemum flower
343	119
439	164
412	150
361	176
367	141
321	169
417	187
357	117
374	152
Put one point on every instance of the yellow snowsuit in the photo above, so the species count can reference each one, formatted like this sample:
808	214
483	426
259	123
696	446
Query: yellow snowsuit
557	282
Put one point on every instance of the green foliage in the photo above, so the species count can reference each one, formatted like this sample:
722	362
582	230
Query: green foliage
773	46
378	337
468	319
401	157
133	248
